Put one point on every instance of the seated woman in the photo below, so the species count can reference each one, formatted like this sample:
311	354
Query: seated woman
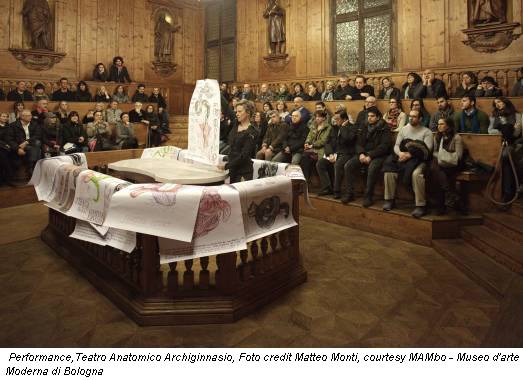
506	120
82	93
52	134
74	136
100	73
7	146
488	87
267	108
446	163
242	140
312	94
413	87
388	91
328	94
417	104
281	107
125	133
260	125
150	117
315	143
118	72
99	133
120	94
273	141
39	92
299	91
62	112
102	95
469	83
283	93
395	117
18	107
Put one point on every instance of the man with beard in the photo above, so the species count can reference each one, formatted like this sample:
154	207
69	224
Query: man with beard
445	111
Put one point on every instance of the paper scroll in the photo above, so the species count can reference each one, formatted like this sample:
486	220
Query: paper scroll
162	152
119	239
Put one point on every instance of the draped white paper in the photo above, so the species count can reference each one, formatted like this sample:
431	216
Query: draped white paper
119	239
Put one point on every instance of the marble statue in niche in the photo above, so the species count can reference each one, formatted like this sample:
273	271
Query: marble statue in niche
276	30
37	19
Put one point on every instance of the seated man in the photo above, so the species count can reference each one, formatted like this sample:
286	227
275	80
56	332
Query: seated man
362	118
304	112
343	90
265	95
470	119
247	93
361	89
445	111
27	138
113	113
63	93
274	137
20	93
140	95
413	149
293	144
372	147
339	148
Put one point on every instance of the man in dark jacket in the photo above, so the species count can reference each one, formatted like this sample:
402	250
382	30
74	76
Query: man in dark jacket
20	93
140	95
63	93
343	90
27	138
372	147
157	97
361	89
362	118
433	88
293	144
339	148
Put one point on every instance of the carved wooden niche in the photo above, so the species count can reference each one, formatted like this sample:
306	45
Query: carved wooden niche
489	29
163	22
33	27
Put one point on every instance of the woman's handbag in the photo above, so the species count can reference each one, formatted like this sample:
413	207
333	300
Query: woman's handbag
446	159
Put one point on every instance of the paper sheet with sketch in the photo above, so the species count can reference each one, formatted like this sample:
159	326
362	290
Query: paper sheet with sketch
266	206
218	229
162	152
119	239
166	210
93	195
204	122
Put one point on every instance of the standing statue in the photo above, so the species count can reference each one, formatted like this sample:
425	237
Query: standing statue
37	19
487	11
163	39
276	16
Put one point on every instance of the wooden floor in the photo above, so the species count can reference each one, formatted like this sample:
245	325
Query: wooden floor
364	290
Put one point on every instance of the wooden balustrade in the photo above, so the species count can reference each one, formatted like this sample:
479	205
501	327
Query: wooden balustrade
504	75
214	289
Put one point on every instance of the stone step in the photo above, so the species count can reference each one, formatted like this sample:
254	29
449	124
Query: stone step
497	246
492	276
508	225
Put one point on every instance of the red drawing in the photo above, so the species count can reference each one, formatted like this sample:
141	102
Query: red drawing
212	209
163	194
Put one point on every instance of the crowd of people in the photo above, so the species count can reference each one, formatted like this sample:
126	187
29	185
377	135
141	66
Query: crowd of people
426	155
32	131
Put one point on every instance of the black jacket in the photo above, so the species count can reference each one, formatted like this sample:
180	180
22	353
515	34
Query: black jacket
135	117
355	93
142	98
18	134
346	140
376	143
72	132
6	142
100	77
58	96
243	145
436	90
14	96
341	93
83	96
120	77
158	100
493	93
52	133
316	97
2	95
415	92
296	137
461	92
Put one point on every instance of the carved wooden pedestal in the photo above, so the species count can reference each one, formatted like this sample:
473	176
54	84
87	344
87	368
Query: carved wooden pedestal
216	289
37	59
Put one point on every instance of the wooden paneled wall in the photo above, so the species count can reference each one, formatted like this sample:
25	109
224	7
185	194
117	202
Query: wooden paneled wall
91	31
427	35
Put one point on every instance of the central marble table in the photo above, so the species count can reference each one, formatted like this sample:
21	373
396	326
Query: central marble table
169	171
